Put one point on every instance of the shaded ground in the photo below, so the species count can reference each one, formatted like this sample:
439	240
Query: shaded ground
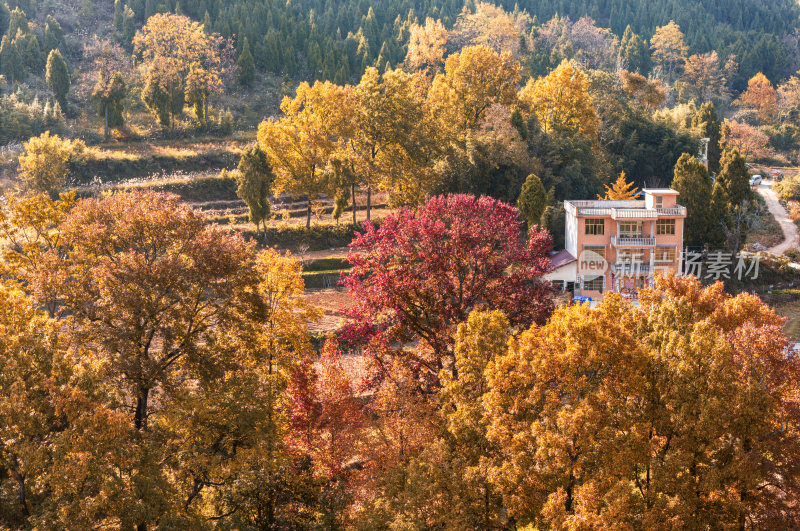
332	303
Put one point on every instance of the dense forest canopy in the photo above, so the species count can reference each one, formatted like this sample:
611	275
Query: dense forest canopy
336	39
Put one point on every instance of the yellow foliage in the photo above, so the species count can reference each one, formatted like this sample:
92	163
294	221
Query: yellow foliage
621	190
561	102
44	165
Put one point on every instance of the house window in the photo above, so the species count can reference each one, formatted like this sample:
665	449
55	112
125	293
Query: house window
601	251
659	202
630	256
595	226
665	255
595	284
630	229
665	226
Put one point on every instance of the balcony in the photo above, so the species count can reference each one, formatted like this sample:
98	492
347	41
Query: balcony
630	268
632	241
678	211
633	213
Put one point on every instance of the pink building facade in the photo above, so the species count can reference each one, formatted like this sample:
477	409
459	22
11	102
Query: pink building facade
619	245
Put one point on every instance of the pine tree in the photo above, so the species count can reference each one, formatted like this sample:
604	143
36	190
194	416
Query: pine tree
246	66
57	77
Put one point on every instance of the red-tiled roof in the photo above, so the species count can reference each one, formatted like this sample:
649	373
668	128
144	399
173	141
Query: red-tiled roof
562	258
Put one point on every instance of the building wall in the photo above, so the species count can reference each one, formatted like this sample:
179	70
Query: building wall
571	234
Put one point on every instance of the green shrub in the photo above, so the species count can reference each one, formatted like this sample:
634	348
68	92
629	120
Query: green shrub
788	189
322	279
326	264
317	238
792	254
194	189
21	119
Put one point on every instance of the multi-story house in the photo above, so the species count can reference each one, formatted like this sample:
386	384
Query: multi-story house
618	245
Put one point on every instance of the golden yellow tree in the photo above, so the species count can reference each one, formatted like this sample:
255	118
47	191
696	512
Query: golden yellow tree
620	190
183	50
301	143
681	412
426	47
44	164
385	145
761	97
473	81
669	49
561	102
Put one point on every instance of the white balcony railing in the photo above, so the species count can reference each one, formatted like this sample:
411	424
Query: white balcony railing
676	211
637	241
630	268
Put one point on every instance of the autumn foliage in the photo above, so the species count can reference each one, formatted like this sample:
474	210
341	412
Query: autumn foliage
421	273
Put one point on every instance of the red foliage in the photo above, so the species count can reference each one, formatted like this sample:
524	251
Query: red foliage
324	415
423	271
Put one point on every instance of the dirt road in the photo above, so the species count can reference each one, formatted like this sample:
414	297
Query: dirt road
790	233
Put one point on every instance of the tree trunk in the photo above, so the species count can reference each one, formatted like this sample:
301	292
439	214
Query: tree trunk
369	203
205	111
353	194
21	497
106	120
140	418
140	421
308	214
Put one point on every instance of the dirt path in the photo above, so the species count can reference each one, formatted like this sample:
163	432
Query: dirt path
790	233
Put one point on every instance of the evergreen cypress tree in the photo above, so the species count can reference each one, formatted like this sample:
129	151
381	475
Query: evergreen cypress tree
247	67
109	93
5	18
52	38
17	22
634	53
254	181
708	124
119	13
532	200
734	178
128	25
57	77
9	60
694	186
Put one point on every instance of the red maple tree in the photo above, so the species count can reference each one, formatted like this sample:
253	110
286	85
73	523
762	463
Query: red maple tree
423	271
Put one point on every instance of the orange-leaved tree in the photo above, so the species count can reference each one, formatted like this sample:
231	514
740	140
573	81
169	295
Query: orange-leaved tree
680	412
761	97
